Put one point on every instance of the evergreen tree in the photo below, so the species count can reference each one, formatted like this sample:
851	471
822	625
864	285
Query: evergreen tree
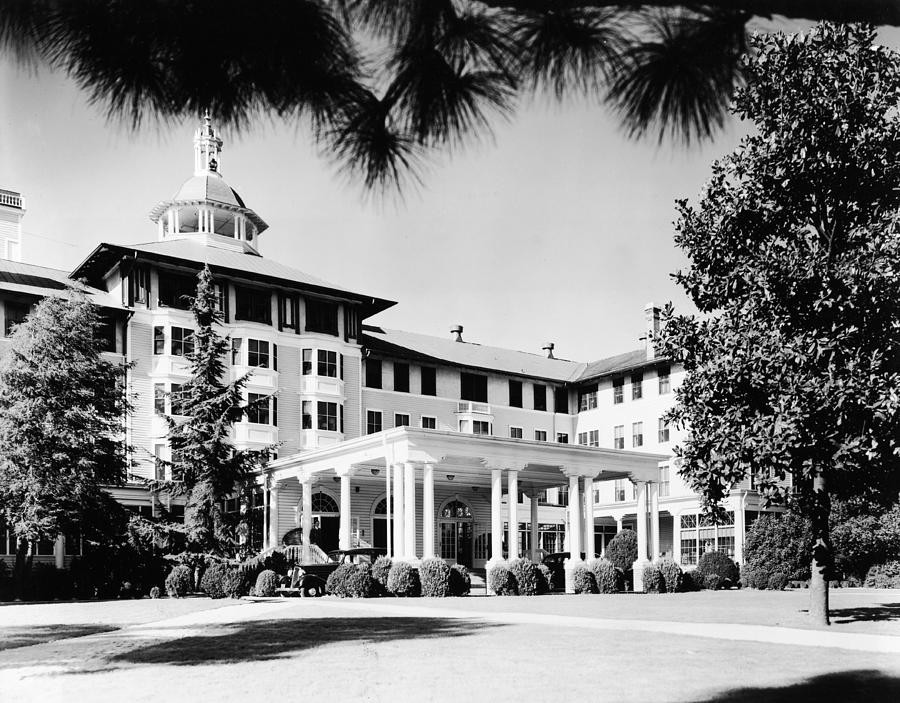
794	368
62	414
205	465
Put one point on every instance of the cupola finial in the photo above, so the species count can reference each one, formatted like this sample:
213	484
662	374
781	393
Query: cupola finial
207	148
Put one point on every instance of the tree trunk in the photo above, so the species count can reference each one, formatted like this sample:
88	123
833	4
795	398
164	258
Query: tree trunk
822	554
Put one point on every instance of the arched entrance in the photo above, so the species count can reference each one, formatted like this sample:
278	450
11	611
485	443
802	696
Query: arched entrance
456	527
325	510
379	525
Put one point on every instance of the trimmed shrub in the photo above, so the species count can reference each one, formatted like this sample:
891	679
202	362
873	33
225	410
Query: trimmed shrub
338	581
380	570
179	582
545	578
608	578
622	551
236	583
500	580
747	577
777	582
779	542
213	581
435	577
885	575
583	580
403	580
266	583
652	579
359	583
716	563
525	574
691	581
672	575
760	579
712	582
460	581
154	592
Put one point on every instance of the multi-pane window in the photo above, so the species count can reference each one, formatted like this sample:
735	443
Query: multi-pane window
515	394
258	353
540	435
473	386
665	382
429	423
562	438
288	307
583	438
306	414
515	432
321	316
258	408
178	399
663	430
306	363
236	345
663	481
540	396
481	427
619	437
594	438
373	421
176	291
327	416
401	420
618	391
429	380
182	341
159	398
253	305
637	386
620	490
401	377
328	363
159	340
699	534
587	398
637	434
373	373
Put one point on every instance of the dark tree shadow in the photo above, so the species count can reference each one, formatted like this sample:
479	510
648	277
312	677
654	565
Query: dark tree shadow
276	639
13	637
874	613
871	686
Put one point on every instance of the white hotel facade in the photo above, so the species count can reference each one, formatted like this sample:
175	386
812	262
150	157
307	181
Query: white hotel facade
485	452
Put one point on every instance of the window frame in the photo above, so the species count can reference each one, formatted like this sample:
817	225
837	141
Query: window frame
253	304
401	372
369	424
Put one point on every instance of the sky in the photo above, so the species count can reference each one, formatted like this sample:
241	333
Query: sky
557	228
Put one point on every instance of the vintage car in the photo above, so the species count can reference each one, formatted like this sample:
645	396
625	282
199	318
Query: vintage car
307	580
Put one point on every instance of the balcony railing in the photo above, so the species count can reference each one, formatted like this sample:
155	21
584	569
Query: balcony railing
466	406
10	198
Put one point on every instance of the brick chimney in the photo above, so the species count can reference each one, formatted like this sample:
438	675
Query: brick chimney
651	315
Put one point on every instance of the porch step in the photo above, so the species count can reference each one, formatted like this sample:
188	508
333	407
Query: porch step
479	581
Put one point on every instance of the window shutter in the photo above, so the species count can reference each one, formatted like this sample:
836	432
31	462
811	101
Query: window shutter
280	314
225	297
275	411
275	357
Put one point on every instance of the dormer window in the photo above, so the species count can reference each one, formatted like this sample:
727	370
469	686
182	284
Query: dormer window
176	291
253	304
321	316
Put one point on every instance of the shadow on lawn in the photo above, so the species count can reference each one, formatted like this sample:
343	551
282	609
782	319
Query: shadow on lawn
274	639
14	637
873	613
871	686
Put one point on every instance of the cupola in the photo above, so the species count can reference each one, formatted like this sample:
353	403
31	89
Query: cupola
206	208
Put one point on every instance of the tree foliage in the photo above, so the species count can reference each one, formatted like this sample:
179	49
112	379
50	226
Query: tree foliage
62	413
205	466
793	369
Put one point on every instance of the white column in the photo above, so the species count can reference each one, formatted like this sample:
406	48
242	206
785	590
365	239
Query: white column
619	524
641	520
676	538
59	552
428	511
496	515
535	534
273	515
399	517
389	499
654	521
737	504
574	533
512	505
588	518
345	539
306	520
409	497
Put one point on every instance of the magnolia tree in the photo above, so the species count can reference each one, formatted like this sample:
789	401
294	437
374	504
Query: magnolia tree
793	365
205	464
62	409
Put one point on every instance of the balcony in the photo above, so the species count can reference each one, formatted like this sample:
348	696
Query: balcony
468	407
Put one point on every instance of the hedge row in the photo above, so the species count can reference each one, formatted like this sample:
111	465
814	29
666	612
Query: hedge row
433	578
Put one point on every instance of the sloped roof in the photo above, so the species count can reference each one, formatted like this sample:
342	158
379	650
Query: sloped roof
209	187
616	364
41	281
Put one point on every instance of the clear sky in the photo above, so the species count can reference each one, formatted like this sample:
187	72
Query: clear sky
557	229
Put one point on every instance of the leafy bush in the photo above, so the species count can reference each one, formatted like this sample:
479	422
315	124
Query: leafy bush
236	583
380	570
885	575
179	582
691	581
403	580
712	582
716	563
435	577
608	578
672	575
266	583
545	578
622	550
862	541
154	592
460	581
359	583
213	581
338	581
777	582
748	577
652	579
500	580
525	574
779	542
760	579
583	580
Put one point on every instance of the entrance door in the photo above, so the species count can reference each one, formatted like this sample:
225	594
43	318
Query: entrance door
456	533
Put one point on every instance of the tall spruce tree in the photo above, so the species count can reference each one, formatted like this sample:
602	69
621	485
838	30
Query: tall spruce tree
62	414
205	465
793	370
